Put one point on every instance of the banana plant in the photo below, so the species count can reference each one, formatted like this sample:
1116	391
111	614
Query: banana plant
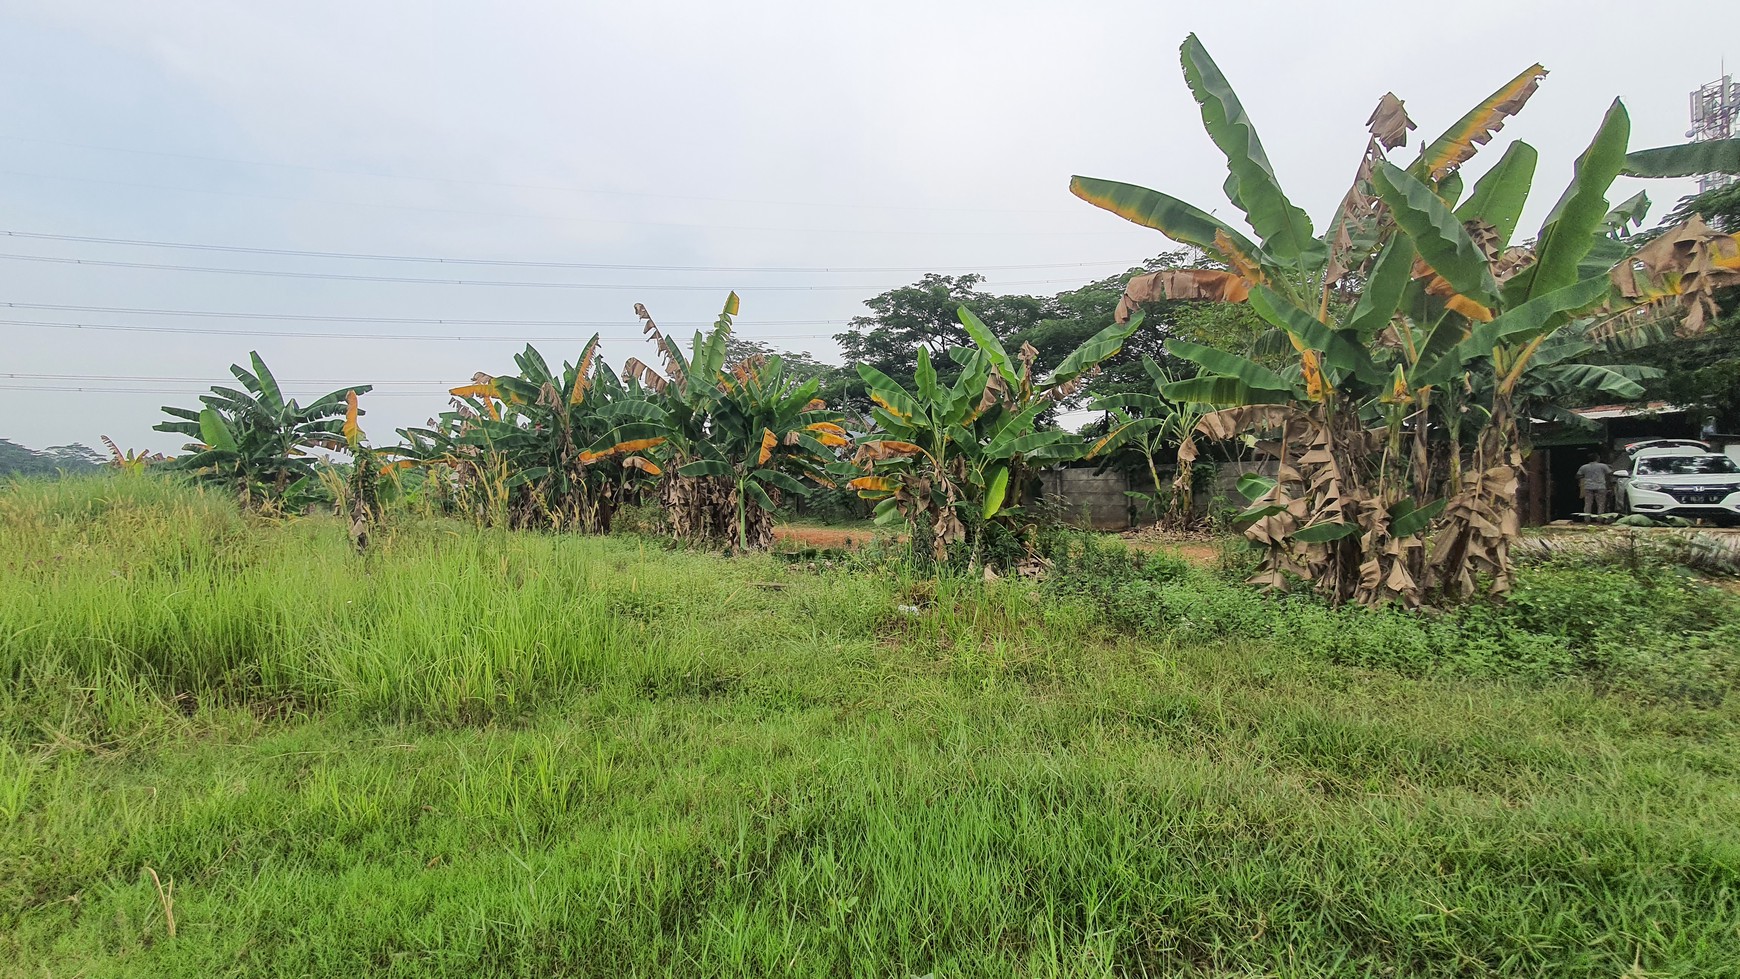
132	462
254	440
555	449
1148	424
1410	288
732	437
949	460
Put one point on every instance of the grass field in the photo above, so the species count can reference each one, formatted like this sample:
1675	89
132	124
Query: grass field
232	748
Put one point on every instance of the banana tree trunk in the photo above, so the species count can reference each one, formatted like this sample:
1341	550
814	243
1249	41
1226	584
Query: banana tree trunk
1481	521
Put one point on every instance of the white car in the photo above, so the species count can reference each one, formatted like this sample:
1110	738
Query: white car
1680	482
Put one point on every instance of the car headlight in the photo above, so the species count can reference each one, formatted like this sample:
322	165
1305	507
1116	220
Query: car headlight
1646	486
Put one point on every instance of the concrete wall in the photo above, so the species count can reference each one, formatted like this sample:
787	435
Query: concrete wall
1088	498
1098	500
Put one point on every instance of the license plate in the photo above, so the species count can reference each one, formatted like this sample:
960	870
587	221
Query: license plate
1703	498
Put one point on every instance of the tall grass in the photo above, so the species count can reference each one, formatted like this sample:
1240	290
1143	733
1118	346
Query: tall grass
482	754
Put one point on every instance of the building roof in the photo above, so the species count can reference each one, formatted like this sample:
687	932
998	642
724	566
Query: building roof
1599	412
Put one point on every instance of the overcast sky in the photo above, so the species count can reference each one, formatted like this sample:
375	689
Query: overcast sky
880	140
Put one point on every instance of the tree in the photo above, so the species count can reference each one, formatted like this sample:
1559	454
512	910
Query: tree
1074	316
16	460
922	316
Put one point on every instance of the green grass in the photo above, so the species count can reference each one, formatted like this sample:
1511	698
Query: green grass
484	754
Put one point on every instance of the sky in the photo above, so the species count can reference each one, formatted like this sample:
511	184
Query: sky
807	155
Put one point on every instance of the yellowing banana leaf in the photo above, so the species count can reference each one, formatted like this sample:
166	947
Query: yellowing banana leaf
1459	143
351	431
583	372
1168	215
482	390
886	449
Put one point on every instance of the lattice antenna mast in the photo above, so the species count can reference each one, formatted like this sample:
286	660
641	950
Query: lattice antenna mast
1715	109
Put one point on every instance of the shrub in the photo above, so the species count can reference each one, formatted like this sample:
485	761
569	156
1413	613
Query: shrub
1653	632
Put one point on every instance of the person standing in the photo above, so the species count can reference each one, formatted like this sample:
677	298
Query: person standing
1594	476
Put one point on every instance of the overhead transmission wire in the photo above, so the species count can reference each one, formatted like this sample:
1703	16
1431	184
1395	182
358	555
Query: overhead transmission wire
418	280
167	392
531	263
17	376
326	318
570	218
525	186
313	335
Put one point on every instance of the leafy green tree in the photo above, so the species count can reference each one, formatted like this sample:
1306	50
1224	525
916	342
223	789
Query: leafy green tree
16	460
922	316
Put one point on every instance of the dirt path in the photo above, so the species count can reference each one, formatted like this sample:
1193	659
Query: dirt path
1196	550
830	538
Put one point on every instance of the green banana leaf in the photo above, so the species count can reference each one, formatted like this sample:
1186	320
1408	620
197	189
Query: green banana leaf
988	344
1223	391
1407	519
994	493
214	432
1440	238
1685	160
1284	228
1215	361
1570	229
1500	194
1383	291
1323	533
1097	348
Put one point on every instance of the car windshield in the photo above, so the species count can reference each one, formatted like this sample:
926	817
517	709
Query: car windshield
1685	465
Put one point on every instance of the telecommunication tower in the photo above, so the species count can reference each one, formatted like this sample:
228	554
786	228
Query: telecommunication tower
1715	108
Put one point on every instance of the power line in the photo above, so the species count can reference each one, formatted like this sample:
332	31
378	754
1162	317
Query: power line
191	331
204	380
98	389
524	186
418	280
525	263
524	214
307	317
